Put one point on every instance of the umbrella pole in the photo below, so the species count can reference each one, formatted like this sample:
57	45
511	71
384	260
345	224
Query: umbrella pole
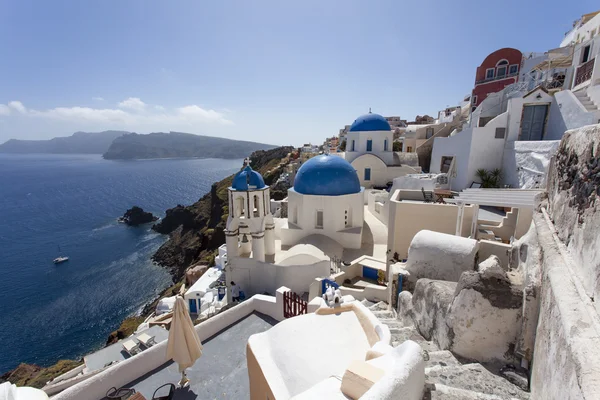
184	380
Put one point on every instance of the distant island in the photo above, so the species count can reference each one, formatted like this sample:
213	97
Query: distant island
77	143
123	145
179	145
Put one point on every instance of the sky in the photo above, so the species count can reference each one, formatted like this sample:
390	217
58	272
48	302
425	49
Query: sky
280	72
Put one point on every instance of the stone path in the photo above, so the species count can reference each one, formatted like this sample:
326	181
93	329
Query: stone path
447	377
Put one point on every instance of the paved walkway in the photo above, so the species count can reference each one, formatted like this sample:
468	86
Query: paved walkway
374	241
221	372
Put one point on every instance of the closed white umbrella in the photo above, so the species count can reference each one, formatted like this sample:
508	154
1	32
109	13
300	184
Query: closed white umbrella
184	345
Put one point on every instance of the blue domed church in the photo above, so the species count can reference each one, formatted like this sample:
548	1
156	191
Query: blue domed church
326	199
369	149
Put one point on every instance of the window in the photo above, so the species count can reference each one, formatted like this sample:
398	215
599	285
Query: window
501	72
501	69
319	224
352	145
513	69
500	132
428	133
408	149
489	73
295	215
367	174
369	145
346	221
385	145
586	54
474	101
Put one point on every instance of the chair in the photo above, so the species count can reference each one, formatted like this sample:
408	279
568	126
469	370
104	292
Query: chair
168	396
427	196
146	339
119	394
131	347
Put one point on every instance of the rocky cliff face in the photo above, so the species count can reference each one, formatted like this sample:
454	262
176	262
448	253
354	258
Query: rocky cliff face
573	188
196	231
136	216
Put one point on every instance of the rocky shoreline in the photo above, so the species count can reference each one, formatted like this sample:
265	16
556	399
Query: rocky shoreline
195	234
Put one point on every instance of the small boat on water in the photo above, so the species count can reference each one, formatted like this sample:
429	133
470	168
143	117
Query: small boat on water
60	259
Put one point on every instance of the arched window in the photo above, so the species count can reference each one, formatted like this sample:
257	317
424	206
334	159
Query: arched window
501	68
369	145
385	145
240	207
256	206
352	145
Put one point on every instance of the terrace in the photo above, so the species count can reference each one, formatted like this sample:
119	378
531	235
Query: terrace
220	373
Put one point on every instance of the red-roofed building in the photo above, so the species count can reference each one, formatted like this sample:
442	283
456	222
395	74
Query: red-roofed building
498	70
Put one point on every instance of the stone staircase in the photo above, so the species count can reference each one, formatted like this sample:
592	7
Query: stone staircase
446	376
585	100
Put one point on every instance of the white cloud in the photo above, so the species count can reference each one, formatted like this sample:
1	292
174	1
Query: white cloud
84	114
98	98
194	112
136	115
133	103
17	106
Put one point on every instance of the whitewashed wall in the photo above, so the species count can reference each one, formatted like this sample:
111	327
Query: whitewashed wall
302	218
360	145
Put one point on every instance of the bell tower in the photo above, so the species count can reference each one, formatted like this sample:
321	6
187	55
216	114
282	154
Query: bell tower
250	230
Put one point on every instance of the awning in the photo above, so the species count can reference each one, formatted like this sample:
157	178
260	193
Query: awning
519	198
558	62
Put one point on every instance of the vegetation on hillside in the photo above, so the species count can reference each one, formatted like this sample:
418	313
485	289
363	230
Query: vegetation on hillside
196	231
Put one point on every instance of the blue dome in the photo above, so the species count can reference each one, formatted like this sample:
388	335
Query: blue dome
370	122
326	175
248	179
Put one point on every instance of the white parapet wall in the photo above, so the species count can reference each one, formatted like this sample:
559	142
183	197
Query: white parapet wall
95	387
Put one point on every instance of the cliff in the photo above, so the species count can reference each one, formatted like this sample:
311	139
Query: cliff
77	143
179	145
196	231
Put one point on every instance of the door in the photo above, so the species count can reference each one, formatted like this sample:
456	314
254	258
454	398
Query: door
533	122
370	273
193	308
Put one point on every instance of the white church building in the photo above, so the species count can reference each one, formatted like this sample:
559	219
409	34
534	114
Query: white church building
369	149
327	199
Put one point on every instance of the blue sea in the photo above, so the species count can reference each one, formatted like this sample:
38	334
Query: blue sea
50	312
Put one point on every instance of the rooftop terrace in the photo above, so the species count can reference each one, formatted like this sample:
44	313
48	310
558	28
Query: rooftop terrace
221	372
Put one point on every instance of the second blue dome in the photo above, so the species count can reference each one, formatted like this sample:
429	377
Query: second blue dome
326	175
370	122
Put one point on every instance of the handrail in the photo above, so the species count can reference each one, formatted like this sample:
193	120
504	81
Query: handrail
496	78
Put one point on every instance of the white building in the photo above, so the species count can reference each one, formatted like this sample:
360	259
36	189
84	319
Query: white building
369	148
327	199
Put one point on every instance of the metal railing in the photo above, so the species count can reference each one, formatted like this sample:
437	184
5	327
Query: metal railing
496	78
584	72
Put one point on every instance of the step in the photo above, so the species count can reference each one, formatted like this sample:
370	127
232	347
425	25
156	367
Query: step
442	358
401	335
475	378
382	305
384	314
443	392
367	303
